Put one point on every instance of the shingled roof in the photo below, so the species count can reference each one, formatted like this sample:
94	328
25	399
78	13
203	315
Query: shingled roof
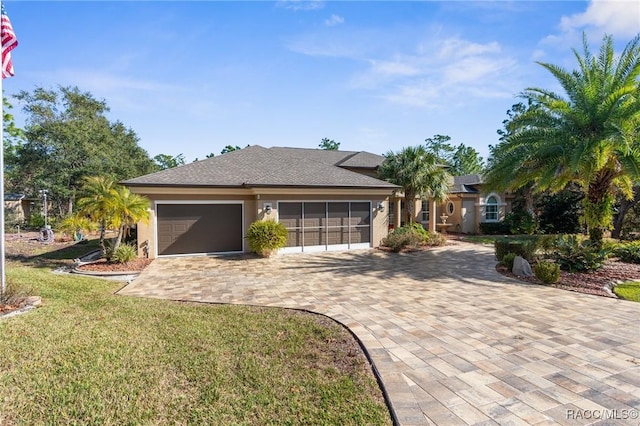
466	184
352	159
256	166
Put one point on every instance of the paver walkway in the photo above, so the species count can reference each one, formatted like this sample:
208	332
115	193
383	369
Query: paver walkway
453	341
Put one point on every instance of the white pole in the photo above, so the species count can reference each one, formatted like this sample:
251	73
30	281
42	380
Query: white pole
2	242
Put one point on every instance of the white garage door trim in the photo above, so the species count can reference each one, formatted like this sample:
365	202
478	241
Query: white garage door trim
330	247
155	224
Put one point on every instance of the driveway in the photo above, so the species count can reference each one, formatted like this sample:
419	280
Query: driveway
453	341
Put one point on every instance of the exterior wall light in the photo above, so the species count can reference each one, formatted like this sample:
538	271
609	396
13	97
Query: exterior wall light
267	208
380	207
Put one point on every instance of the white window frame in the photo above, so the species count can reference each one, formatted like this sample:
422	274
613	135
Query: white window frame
450	208
495	205
424	212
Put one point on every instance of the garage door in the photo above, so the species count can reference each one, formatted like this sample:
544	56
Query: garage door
199	228
317	226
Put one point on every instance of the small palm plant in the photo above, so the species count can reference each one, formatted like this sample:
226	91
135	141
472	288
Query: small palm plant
76	225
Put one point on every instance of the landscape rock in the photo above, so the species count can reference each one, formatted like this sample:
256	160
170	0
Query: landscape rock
521	267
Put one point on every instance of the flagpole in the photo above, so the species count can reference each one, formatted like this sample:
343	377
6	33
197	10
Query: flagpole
2	241
9	42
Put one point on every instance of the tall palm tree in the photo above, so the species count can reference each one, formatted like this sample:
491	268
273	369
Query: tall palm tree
128	209
418	172
96	203
590	135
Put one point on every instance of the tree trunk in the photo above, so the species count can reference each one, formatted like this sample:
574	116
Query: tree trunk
596	236
409	204
528	200
118	238
103	225
598	207
625	206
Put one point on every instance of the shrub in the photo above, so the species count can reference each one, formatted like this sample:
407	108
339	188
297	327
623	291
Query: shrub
413	235
266	236
74	225
35	221
435	239
401	238
547	272
575	256
628	252
508	259
522	247
520	222
560	213
125	253
413	227
495	228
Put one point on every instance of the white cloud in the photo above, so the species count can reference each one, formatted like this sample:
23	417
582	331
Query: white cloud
442	69
397	67
119	90
334	20
455	47
615	17
301	4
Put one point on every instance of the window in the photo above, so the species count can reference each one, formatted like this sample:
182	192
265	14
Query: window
492	209
450	208
425	212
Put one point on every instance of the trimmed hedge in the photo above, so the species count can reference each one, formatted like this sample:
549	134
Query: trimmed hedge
521	247
495	228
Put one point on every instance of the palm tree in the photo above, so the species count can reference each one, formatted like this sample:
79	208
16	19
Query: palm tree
590	136
128	209
96	203
418	172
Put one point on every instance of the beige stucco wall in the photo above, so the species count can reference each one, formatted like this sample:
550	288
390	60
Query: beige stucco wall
255	201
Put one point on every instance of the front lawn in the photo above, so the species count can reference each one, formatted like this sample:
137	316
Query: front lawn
629	290
90	357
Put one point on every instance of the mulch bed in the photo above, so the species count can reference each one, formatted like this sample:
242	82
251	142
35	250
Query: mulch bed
611	273
102	265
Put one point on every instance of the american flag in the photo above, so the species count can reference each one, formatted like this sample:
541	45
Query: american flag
9	42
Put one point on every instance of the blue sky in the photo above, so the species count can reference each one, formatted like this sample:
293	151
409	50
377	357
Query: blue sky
193	77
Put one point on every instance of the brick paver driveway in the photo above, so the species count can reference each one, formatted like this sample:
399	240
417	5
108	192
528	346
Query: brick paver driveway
453	341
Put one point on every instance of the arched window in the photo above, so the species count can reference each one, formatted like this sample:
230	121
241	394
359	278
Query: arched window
492	209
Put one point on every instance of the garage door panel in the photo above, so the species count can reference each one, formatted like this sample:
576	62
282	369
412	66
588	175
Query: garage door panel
339	236
315	237
360	214
199	228
294	238
315	214
290	214
360	235
326	225
338	214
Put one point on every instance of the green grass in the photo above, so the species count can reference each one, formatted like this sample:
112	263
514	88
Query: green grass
481	239
90	357
629	290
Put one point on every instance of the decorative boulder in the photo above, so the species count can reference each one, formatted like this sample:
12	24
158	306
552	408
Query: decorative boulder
521	267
